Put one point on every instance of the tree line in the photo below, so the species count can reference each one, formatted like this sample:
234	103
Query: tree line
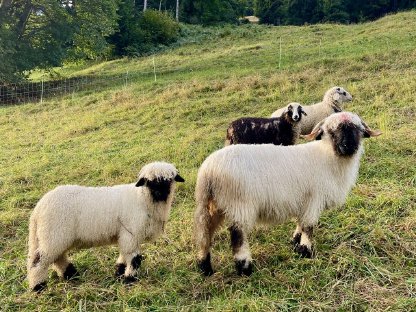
299	12
46	33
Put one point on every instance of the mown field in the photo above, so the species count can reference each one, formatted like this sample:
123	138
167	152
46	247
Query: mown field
366	250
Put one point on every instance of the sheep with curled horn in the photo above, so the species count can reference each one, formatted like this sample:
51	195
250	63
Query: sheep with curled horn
248	184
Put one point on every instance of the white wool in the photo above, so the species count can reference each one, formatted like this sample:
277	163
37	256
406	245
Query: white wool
80	216
247	184
332	101
157	170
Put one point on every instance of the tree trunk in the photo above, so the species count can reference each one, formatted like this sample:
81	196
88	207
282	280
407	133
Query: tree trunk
144	5
177	10
5	4
21	25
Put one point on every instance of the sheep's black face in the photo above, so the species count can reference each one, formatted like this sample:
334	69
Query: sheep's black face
159	189
295	112
346	139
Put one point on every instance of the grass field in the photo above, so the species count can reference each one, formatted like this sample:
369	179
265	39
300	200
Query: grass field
366	250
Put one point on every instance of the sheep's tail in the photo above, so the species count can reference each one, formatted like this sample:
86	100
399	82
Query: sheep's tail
33	255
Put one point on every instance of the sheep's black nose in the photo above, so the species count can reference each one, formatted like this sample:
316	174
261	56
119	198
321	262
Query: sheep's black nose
295	118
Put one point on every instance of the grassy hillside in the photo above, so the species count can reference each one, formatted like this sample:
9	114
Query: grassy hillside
366	250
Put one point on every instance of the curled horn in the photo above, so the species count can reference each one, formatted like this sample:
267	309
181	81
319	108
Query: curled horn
316	131
368	132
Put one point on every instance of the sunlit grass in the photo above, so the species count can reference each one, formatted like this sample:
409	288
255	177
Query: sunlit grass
366	251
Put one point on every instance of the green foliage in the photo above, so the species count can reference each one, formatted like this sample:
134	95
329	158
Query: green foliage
143	32
209	12
44	33
299	12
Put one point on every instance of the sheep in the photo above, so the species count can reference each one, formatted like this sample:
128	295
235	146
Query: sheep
72	216
282	130
331	103
246	184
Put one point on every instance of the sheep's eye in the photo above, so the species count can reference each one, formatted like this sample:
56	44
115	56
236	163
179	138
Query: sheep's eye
338	89
344	93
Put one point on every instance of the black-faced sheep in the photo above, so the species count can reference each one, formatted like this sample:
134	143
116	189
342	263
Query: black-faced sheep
246	184
282	130
72	216
331	103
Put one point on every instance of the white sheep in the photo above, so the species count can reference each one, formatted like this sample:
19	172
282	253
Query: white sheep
246	184
331	103
72	216
282	130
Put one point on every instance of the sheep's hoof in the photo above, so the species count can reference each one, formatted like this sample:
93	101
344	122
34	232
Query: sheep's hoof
242	268
205	266
120	269
70	272
130	279
296	239
304	251
39	287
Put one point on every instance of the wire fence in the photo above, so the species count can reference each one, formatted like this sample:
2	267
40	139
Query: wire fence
283	53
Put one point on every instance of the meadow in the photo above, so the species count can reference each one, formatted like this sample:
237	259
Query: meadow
365	250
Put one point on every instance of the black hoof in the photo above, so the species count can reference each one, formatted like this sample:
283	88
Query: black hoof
136	261
120	269
70	272
243	269
205	266
296	239
304	251
39	287
130	279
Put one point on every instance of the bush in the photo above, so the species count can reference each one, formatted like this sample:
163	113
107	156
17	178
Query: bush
145	32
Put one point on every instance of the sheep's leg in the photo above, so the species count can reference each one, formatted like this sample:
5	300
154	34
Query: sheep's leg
64	268
120	266
241	250
207	220
304	248
129	251
297	235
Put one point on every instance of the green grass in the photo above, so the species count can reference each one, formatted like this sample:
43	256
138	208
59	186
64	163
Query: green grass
366	250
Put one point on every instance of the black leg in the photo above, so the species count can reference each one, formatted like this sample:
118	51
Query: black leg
205	265
70	272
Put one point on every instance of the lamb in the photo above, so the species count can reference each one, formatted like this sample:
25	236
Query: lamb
331	103
77	216
246	184
282	130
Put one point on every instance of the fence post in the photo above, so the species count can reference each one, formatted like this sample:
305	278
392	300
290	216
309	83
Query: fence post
280	51
125	84
41	93
320	44
154	67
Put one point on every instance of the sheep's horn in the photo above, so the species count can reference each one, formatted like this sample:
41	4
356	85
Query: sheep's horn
368	132
317	130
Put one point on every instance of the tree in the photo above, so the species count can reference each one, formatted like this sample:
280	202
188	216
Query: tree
209	12
43	33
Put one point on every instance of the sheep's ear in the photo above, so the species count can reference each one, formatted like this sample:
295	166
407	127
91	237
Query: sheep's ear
290	108
141	182
336	96
302	111
178	178
316	132
369	132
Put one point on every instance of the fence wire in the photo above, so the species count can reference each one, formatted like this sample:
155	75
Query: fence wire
282	53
